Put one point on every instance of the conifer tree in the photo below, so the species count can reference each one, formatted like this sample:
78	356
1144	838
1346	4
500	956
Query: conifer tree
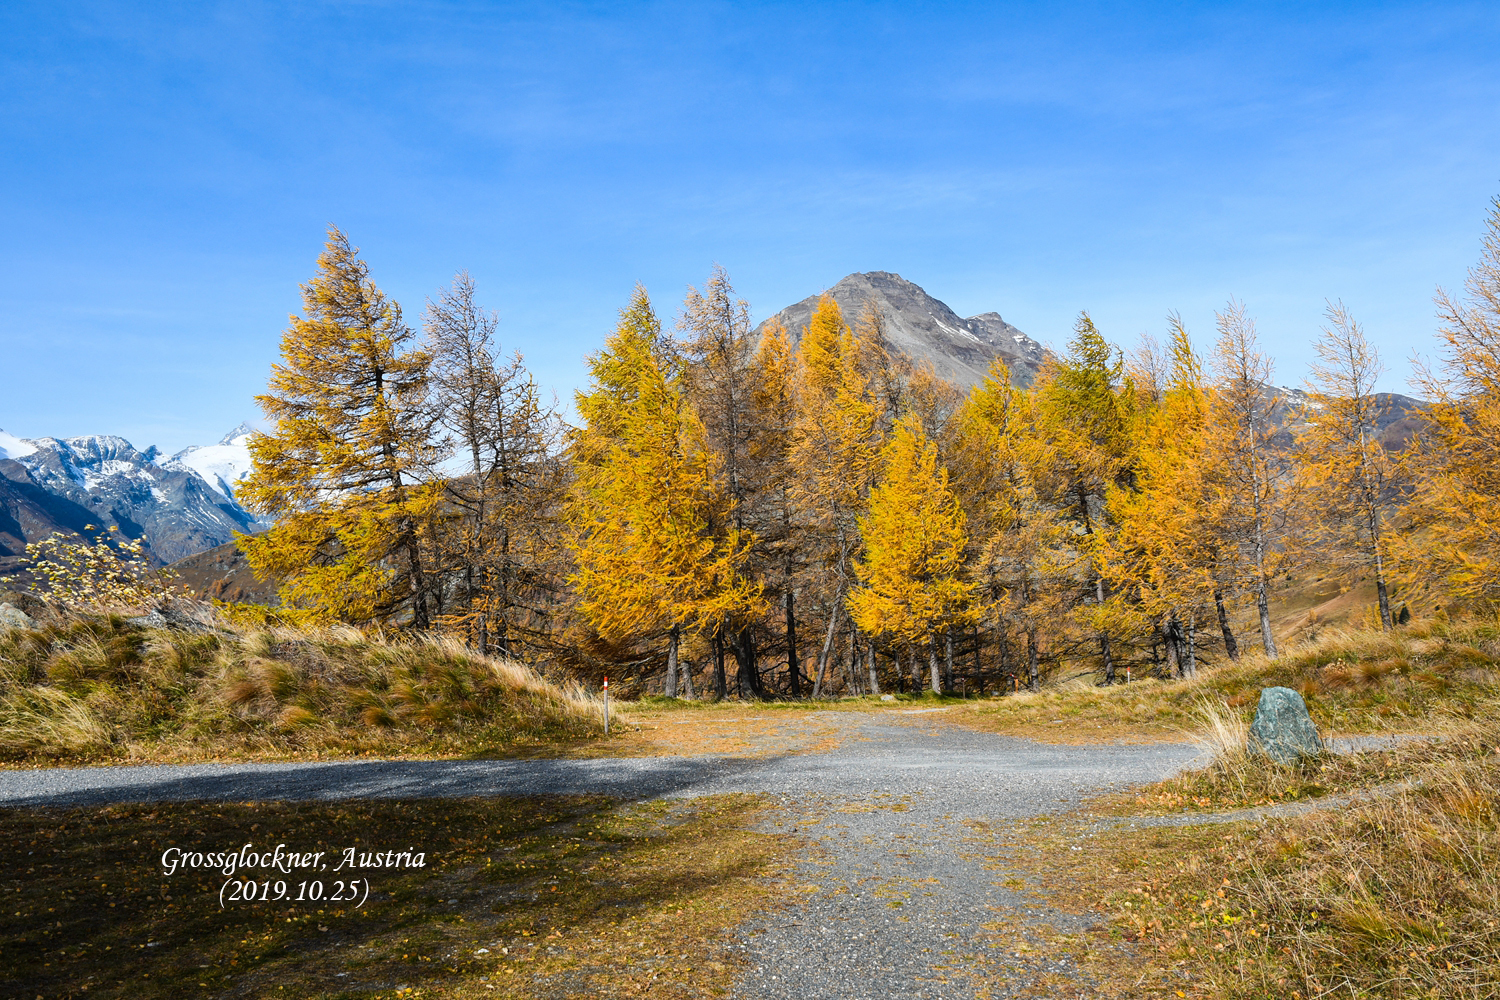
777	524
1454	551
655	554
337	472
1241	429
1346	477
1020	542
1167	552
1083	409
717	353
912	570
502	540
835	448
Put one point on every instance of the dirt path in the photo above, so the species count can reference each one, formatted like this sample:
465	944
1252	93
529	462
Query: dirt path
896	899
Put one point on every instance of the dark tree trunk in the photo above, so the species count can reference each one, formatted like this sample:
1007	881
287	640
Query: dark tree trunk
870	666
948	660
1231	645
721	683
1004	641
1192	644
1172	639
853	668
1033	662
670	687
978	665
793	667
747	677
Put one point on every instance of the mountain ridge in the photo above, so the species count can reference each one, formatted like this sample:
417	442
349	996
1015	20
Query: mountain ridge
178	506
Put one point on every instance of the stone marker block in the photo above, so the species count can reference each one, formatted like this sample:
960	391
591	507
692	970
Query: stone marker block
1282	729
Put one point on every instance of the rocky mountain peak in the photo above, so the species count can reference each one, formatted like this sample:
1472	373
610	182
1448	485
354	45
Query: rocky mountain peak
242	429
926	329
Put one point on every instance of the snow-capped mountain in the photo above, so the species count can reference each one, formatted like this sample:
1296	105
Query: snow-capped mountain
14	447
220	465
179	506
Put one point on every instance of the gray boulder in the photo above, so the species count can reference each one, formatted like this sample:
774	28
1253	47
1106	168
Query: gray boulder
13	617
170	618
1282	729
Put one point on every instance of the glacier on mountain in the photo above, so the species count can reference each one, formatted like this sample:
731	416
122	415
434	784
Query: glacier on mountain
220	465
178	506
13	447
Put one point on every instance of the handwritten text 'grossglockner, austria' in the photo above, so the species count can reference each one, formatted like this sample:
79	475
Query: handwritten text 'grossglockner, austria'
281	859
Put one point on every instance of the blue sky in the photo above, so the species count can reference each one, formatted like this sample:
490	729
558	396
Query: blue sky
167	171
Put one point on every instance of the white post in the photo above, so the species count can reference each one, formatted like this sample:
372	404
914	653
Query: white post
606	706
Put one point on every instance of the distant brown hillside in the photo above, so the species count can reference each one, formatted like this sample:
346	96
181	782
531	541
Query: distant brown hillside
222	573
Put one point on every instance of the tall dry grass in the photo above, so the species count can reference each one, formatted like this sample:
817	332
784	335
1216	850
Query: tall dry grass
1427	675
99	687
1394	896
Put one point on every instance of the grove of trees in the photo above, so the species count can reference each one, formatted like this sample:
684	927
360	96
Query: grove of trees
833	519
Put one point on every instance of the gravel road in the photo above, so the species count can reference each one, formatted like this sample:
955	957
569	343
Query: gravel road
900	904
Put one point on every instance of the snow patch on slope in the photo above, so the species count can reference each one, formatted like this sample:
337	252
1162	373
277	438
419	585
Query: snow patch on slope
14	447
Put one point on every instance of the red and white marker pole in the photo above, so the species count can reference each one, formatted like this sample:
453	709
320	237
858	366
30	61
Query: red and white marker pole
606	706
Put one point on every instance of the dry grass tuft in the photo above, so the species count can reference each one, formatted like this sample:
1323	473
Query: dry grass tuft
1393	897
40	718
99	688
1393	894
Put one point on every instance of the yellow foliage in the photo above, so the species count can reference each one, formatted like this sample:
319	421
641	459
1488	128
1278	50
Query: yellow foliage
338	470
651	538
1166	550
912	572
104	574
1455	553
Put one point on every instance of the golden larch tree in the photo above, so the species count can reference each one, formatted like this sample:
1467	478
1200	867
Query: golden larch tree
338	471
912	578
655	552
835	447
1453	551
1166	552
